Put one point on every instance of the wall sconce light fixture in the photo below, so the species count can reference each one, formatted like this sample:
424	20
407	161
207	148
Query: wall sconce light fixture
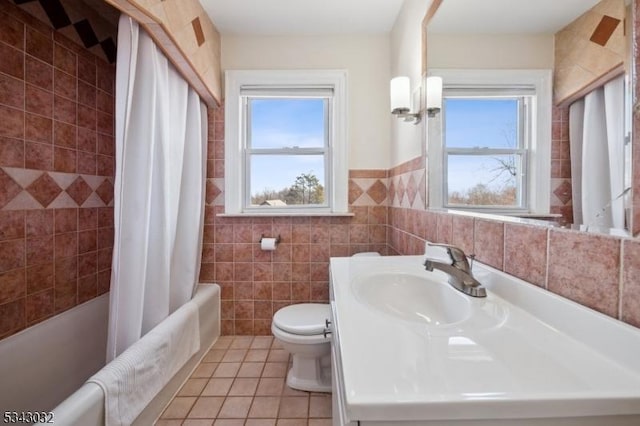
400	89
434	95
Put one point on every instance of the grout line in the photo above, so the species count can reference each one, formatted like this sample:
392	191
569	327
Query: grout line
621	278
548	265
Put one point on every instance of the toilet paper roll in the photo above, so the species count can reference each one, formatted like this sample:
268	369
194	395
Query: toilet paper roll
268	244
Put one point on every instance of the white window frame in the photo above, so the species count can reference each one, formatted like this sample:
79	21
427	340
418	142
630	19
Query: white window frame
336	164
538	179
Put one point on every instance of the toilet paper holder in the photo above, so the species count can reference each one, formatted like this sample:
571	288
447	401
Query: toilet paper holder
264	236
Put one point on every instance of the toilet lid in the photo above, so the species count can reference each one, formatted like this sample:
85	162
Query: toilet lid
304	319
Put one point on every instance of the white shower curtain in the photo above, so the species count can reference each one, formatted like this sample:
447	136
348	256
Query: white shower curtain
159	189
596	134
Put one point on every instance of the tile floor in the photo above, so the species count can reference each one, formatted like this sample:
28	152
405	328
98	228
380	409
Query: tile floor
241	382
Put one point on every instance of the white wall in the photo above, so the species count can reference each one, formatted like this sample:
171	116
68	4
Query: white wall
407	139
365	57
475	51
490	51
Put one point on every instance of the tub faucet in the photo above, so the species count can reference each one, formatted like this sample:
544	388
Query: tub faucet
460	274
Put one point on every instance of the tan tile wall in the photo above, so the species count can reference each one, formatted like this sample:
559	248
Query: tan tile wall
561	196
53	258
585	268
56	172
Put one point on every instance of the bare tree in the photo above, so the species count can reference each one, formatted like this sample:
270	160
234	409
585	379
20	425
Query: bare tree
309	189
482	195
306	189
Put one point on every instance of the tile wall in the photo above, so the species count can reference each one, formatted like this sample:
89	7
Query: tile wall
561	197
597	271
56	172
390	217
257	283
56	219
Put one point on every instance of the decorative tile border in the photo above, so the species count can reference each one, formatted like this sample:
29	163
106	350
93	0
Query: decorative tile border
408	166
27	189
408	190
76	20
365	191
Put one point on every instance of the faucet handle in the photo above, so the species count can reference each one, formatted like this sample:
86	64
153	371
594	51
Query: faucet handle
457	255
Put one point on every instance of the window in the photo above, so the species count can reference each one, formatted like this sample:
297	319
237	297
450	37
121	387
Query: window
285	142
485	142
492	141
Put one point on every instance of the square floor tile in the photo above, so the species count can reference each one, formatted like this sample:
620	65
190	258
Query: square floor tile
260	422
320	422
214	355
275	369
244	387
217	387
294	407
234	355
291	422
163	422
226	369
229	422
206	407
241	342
251	369
193	387
198	422
270	386
320	406
257	355
265	407
223	342
235	407
178	408
278	355
287	391
204	370
262	342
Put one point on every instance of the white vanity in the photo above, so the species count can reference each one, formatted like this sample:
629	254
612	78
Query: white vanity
409	349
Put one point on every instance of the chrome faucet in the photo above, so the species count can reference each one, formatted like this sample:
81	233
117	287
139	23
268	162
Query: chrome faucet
460	274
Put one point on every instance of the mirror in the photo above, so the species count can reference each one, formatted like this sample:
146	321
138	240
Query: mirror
466	35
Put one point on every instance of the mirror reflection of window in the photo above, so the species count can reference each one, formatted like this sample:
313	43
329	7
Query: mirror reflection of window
486	143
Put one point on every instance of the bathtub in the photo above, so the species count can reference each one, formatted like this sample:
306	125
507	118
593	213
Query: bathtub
44	368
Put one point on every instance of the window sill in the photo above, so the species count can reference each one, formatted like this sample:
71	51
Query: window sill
287	214
501	217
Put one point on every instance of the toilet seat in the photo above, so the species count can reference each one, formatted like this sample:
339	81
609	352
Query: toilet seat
299	339
304	319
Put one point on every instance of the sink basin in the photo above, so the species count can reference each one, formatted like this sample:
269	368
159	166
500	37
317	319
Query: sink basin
410	349
412	297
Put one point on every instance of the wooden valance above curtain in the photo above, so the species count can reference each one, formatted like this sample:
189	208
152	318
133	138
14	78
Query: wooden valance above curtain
590	51
186	35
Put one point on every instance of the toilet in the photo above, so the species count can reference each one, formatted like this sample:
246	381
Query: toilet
300	329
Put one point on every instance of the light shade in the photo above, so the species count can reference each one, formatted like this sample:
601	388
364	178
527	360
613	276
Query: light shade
434	93
400	94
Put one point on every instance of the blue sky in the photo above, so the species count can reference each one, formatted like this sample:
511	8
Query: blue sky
278	123
478	123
